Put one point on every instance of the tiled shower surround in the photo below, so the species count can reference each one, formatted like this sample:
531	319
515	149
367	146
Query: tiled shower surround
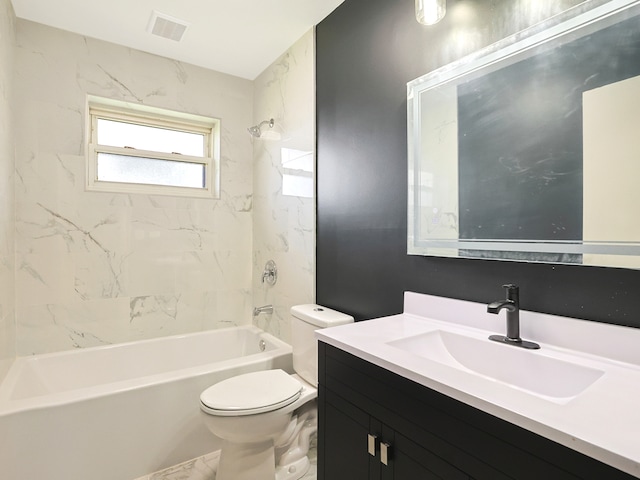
7	204
97	268
284	221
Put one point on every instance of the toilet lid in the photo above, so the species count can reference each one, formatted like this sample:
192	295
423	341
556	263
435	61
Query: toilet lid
252	393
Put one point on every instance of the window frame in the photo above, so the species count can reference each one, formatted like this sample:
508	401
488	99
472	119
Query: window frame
108	109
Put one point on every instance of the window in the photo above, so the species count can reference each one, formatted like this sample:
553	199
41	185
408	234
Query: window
140	149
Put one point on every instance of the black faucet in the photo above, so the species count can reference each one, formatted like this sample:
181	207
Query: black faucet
512	305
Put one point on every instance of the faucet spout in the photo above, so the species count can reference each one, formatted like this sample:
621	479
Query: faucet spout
495	307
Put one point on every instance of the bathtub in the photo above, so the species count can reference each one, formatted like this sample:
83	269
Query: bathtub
122	411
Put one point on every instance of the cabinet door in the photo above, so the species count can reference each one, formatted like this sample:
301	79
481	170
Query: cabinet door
345	440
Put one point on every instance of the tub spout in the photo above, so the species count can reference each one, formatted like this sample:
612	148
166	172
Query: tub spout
264	309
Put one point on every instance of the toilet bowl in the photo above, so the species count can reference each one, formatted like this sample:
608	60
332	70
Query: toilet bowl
266	418
251	429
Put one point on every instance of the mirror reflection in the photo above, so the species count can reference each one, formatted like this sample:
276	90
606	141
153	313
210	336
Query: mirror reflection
531	150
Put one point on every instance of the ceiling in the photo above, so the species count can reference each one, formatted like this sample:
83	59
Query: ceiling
237	37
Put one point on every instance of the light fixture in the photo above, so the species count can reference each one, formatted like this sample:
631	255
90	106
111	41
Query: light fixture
256	130
429	12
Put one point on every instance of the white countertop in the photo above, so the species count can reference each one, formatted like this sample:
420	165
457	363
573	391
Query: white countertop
602	421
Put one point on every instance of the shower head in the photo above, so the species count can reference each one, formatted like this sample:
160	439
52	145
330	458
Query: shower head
256	131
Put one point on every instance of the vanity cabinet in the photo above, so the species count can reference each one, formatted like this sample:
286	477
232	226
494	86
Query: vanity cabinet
426	434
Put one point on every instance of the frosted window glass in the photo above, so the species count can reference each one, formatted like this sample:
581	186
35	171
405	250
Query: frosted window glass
150	171
142	137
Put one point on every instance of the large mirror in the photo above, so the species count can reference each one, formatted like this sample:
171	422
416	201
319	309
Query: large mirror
530	149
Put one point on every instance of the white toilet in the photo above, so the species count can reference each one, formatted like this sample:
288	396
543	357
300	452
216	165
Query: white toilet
266	418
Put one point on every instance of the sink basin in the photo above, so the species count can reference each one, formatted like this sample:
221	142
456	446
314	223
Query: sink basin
520	368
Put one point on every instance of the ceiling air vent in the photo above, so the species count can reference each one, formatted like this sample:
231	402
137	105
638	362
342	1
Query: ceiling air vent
166	26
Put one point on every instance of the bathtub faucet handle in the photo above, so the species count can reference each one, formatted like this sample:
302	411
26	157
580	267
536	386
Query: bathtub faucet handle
270	273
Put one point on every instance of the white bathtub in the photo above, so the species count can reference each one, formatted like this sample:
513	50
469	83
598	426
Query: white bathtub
119	412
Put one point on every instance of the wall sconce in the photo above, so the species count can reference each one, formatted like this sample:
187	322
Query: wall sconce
429	12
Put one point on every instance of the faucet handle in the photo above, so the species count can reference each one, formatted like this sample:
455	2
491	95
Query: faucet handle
270	274
513	291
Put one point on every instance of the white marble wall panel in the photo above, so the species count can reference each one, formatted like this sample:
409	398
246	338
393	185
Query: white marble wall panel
95	268
7	204
284	226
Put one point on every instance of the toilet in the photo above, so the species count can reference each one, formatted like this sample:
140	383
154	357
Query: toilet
266	418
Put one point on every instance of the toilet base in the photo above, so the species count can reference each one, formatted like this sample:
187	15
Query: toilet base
293	471
293	446
253	461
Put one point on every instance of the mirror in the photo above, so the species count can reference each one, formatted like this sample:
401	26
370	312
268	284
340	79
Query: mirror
530	149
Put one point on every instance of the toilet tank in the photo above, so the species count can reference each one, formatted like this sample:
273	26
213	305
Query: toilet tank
305	320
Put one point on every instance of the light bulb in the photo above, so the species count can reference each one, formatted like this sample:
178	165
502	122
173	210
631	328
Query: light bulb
429	12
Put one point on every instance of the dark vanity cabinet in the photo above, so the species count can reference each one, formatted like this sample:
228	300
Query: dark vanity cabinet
374	424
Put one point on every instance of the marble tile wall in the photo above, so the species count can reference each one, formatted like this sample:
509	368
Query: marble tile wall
283	185
97	268
7	204
205	468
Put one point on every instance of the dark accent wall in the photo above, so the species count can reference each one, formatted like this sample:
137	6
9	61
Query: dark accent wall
366	52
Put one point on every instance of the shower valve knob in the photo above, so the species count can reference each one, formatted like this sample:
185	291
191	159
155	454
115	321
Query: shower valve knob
270	273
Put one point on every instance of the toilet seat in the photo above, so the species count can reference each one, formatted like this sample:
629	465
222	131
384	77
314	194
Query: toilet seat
251	393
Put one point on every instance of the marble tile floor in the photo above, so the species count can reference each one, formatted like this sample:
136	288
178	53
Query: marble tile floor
204	468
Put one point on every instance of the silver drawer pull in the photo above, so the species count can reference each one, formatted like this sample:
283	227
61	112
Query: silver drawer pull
385	453
372	441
